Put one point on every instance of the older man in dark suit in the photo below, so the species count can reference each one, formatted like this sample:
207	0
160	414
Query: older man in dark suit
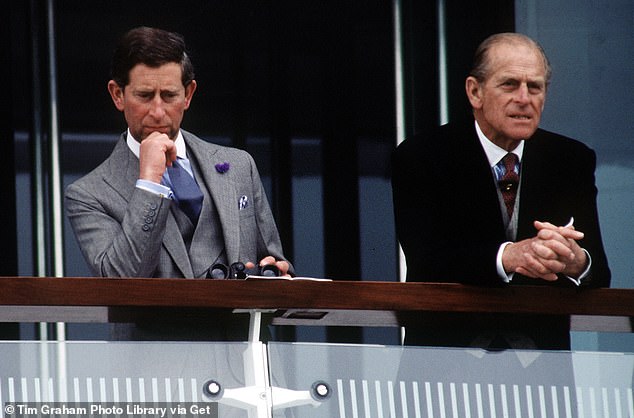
499	200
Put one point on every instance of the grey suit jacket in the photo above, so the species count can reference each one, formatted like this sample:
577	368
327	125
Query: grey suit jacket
124	231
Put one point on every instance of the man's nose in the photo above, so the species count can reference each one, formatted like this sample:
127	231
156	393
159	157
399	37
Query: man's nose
522	95
157	109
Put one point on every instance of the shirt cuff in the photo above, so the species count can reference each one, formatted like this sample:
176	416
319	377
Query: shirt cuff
508	277
500	267
155	188
585	273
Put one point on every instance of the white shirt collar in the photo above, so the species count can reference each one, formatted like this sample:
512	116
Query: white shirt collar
135	146
493	152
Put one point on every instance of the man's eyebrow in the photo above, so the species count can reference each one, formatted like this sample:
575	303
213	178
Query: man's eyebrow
529	80
507	78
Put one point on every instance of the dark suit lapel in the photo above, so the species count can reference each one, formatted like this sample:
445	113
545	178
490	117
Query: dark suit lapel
530	179
479	177
539	199
480	210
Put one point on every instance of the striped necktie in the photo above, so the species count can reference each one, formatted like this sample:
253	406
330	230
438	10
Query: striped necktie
509	182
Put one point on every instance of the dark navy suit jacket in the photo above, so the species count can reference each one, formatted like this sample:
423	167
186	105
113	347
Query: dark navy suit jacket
447	213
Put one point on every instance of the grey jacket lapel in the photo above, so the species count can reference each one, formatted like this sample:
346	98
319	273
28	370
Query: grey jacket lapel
124	171
221	189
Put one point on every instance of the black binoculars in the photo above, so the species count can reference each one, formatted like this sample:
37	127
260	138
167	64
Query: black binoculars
240	271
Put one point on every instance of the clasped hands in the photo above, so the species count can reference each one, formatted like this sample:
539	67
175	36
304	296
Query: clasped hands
553	250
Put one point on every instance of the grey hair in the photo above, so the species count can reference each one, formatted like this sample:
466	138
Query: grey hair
480	69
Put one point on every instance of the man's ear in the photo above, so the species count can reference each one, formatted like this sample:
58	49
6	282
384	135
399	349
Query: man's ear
189	93
474	93
116	93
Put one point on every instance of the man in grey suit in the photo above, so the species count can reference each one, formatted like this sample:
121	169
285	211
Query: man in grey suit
128	217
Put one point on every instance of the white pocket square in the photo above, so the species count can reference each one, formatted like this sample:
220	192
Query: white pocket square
243	202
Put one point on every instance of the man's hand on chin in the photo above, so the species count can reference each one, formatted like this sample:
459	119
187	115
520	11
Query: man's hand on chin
157	152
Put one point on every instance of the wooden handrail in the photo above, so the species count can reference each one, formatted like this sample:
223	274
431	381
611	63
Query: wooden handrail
285	294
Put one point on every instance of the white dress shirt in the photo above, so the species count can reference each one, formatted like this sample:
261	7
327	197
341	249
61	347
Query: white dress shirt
494	155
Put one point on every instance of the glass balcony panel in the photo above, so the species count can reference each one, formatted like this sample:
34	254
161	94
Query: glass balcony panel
126	374
391	381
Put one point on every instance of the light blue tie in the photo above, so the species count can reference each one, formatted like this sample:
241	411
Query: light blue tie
186	191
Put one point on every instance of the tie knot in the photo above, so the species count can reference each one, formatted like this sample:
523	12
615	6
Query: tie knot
506	171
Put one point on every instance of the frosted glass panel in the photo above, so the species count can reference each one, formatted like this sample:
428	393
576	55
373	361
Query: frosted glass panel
377	381
113	374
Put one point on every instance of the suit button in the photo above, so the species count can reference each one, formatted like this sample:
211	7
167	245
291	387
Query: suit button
153	206
149	220
151	212
146	227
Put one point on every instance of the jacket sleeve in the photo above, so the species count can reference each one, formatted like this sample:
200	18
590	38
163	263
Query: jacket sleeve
117	238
